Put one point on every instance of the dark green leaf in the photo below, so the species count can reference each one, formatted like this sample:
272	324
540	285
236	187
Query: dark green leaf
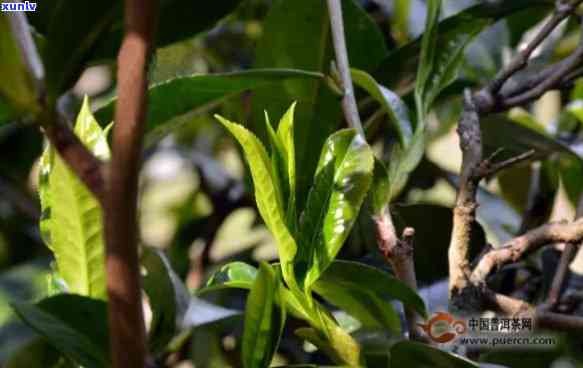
178	20
360	303
418	355
391	103
74	325
350	277
17	86
263	320
36	353
341	183
398	70
71	30
79	33
198	93
167	295
296	35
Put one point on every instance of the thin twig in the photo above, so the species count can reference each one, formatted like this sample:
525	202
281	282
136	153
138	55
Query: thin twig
348	101
126	321
488	168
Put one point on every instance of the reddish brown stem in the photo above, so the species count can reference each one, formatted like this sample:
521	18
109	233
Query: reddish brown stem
83	163
126	321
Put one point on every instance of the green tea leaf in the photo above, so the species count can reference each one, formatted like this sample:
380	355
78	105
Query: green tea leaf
232	275
71	222
337	344
391	103
351	276
263	321
418	355
296	34
198	93
241	276
285	132
74	325
269	204
362	304
342	180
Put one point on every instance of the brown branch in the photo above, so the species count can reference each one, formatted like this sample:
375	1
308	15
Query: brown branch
339	40
562	271
560	274
562	11
126	322
399	254
465	208
79	159
543	319
530	241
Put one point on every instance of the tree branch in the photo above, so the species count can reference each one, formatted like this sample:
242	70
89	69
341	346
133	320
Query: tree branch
530	241
399	254
348	101
542	319
562	11
465	208
126	322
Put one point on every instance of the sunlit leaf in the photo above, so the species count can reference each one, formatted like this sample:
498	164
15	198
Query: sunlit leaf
71	222
342	180
266	197
73	324
232	275
296	34
263	320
